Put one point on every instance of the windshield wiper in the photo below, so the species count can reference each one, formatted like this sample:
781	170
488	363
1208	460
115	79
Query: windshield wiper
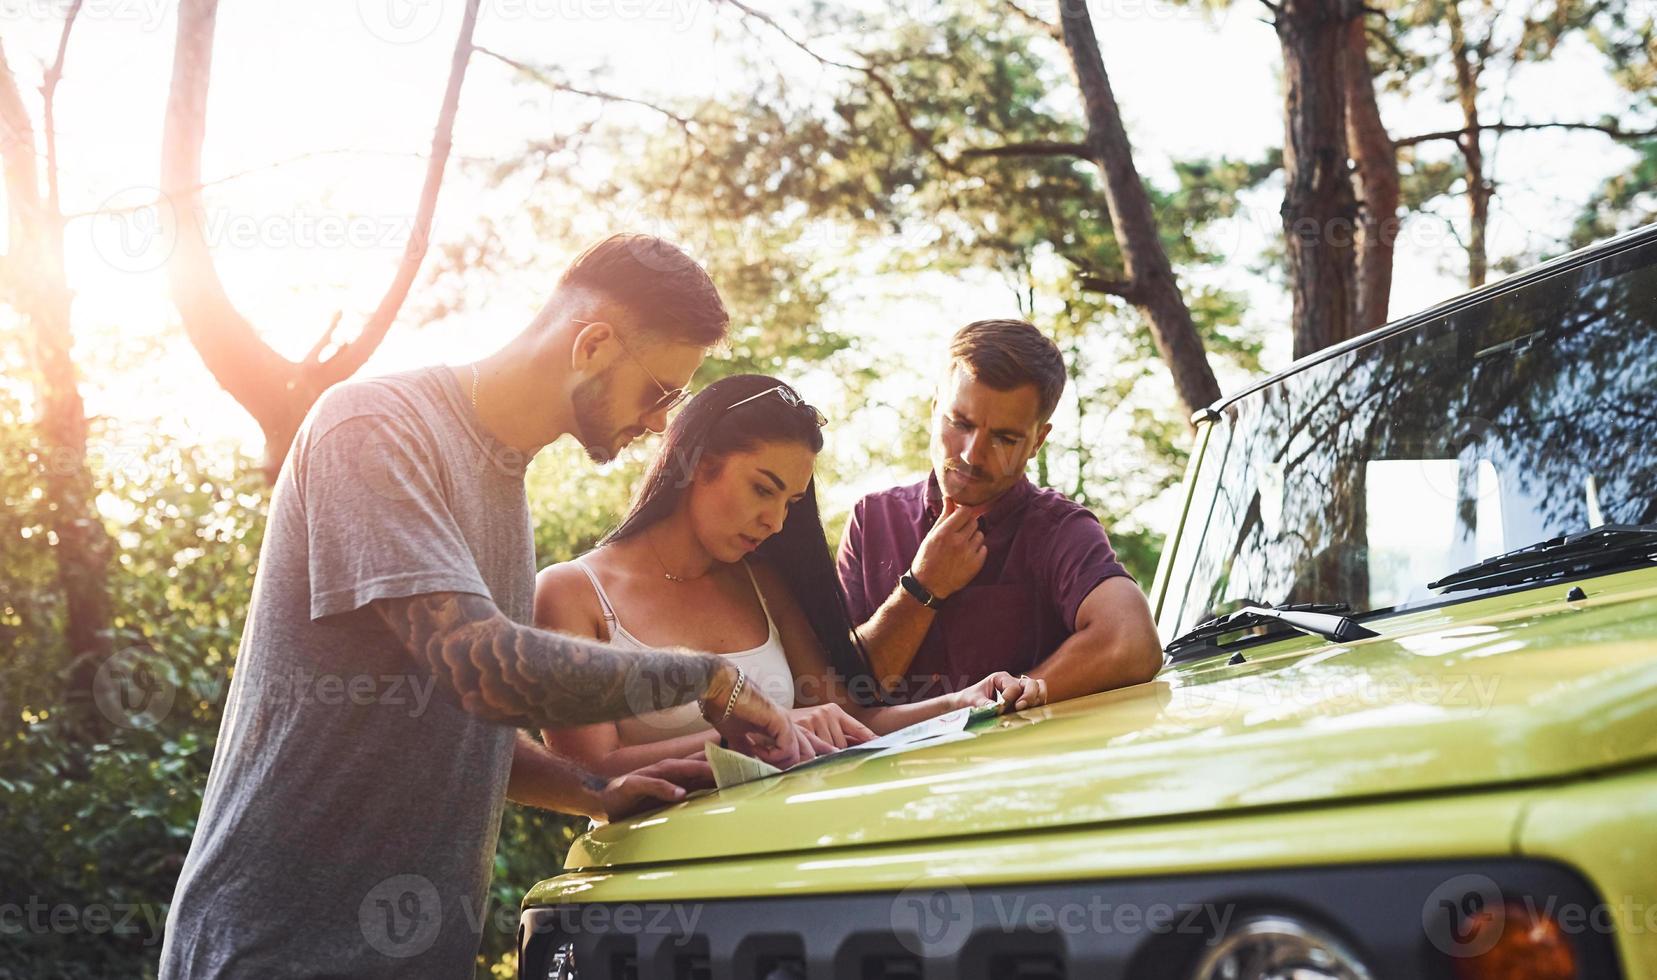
1585	551
1330	620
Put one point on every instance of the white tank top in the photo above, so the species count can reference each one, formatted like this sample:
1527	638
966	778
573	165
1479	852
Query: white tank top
766	666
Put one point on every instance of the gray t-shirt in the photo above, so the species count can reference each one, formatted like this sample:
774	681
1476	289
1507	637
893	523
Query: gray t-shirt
349	821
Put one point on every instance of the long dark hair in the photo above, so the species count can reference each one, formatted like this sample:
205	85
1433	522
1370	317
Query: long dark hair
709	429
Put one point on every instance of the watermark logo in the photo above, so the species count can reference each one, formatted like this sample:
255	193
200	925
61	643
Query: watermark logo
141	922
652	691
1207	704
401	21
146	15
130	692
392	462
933	917
413	21
1464	916
135	230
401	916
412	692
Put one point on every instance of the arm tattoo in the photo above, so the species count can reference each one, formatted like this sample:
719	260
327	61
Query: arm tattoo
505	672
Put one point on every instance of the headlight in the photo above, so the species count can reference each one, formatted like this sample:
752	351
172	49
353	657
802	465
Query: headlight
561	965
1278	947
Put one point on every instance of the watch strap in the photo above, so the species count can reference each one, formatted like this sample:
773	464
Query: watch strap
913	586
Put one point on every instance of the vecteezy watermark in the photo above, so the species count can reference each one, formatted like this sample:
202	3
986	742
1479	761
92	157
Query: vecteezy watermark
1253	226
412	21
130	691
1453	914
136	229
42	918
1152	10
412	691
1335	692
146	14
933	917
936	916
401	916
676	919
1467	915
401	21
392	459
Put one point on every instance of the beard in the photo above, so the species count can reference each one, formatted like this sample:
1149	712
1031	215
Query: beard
970	493
592	424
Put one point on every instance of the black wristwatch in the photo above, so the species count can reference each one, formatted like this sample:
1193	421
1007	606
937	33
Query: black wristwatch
913	586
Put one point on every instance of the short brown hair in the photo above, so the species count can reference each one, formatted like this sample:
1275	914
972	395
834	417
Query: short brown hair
670	294
1008	354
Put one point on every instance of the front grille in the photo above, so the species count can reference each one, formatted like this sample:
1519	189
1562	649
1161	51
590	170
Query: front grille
1130	929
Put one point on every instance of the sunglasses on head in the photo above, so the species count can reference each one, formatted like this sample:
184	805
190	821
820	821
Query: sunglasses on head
789	397
670	398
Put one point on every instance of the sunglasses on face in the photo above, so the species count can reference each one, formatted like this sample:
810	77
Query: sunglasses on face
789	397
670	398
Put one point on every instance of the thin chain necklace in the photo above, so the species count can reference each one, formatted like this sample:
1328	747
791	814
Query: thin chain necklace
474	387
665	573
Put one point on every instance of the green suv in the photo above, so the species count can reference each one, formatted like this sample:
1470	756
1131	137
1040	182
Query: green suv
1407	727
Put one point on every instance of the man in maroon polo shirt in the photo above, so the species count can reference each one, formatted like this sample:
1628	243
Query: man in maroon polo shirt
974	569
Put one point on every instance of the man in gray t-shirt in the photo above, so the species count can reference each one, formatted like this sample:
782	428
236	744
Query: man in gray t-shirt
349	822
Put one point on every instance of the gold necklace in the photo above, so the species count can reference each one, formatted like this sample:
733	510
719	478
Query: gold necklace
665	573
474	387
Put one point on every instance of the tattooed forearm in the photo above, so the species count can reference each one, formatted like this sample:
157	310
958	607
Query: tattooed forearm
543	778
517	675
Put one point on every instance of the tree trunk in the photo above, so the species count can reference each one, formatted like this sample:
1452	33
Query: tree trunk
1377	166
1150	282
1319	209
39	290
277	392
1472	151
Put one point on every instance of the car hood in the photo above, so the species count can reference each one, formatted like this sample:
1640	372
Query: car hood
1497	690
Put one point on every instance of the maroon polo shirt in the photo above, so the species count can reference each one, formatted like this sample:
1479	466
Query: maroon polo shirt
1045	554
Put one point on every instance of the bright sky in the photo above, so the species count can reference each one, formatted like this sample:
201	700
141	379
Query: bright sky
352	88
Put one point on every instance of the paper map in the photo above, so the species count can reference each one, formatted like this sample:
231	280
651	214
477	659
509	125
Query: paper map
732	768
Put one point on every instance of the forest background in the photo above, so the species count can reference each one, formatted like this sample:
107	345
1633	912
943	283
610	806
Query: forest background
211	216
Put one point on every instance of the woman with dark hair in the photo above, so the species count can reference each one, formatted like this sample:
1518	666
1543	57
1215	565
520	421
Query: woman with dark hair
723	550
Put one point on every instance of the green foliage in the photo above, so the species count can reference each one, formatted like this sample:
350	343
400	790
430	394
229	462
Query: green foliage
1411	54
796	201
1623	202
101	831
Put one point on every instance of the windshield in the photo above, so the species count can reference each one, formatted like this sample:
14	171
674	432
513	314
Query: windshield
1364	477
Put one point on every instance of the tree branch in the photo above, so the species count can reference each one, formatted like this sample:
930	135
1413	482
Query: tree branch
277	392
1033	148
543	76
17	150
48	93
1035	20
243	364
873	74
351	357
1613	131
313	357
1113	287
